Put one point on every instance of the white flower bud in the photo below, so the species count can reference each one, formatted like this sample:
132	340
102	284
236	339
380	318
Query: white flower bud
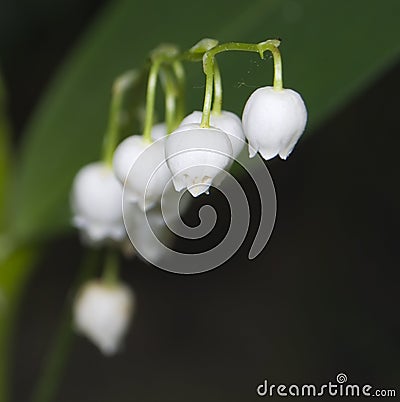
196	156
145	183
102	312
228	122
96	203
273	121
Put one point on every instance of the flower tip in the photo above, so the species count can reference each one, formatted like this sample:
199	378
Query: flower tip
268	154
252	154
252	151
178	184
199	188
108	350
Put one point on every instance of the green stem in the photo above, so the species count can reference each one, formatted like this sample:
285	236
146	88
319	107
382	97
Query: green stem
150	99
111	267
180	75
121	85
209	68
171	94
165	54
217	104
56	359
205	120
111	137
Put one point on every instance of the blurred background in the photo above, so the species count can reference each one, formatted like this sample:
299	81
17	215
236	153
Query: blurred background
321	299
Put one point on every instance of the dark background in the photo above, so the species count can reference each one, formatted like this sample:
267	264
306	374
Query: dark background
321	299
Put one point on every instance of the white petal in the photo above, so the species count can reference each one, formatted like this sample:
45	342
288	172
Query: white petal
179	182
201	186
252	150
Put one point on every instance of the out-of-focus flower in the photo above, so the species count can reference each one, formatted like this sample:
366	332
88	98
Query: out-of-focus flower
141	167
96	202
102	312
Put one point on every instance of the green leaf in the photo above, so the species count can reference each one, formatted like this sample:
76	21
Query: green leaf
331	50
14	272
5	153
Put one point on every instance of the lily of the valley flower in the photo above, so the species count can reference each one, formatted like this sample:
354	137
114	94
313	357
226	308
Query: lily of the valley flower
141	167
273	121
102	312
96	202
196	156
226	121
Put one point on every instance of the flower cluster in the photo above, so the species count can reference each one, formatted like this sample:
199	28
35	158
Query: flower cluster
192	155
191	152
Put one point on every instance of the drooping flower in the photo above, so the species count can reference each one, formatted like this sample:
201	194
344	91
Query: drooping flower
226	121
96	202
141	167
273	121
102	312
196	156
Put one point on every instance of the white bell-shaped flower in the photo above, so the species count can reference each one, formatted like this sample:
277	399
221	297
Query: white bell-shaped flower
196	156
96	202
141	167
102	312
273	121
226	121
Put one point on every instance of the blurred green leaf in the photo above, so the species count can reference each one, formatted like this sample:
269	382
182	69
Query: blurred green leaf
5	151
14	272
330	50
